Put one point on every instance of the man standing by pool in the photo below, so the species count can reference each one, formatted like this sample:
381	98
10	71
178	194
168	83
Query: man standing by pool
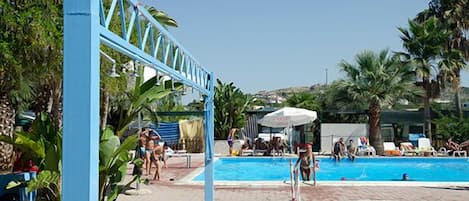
149	147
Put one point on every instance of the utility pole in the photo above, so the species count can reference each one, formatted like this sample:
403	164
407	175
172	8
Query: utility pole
326	77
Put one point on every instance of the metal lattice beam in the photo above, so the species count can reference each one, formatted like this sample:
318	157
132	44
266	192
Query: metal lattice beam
145	49
87	23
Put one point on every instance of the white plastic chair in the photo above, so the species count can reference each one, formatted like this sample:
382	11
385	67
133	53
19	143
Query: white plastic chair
390	147
426	147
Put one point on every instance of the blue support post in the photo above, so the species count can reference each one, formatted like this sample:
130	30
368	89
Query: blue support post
81	101
209	143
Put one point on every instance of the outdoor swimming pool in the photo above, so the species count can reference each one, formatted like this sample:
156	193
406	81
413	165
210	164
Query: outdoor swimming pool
363	169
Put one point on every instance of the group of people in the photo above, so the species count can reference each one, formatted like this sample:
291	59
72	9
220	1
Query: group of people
341	150
276	144
151	150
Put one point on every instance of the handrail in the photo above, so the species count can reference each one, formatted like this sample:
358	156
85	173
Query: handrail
295	181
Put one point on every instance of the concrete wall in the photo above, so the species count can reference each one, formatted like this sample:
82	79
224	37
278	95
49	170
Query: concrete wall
331	132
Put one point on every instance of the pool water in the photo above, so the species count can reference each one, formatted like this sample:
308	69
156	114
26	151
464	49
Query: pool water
362	169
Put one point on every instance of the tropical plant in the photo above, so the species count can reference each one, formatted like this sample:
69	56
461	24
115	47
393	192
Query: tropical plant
230	106
196	105
48	69
303	100
423	43
334	98
46	182
19	25
171	103
450	126
377	79
42	145
454	16
123	113
113	161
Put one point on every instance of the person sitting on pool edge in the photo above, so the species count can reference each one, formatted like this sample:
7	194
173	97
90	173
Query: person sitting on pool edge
351	150
308	165
338	149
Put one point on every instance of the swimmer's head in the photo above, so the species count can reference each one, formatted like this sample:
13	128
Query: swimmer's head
405	177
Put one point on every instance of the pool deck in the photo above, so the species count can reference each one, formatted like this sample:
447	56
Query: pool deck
171	187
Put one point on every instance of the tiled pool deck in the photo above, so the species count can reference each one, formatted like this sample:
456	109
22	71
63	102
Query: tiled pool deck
170	188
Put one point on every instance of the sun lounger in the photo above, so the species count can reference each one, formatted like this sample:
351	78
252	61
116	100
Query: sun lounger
391	150
460	153
245	149
456	148
408	148
260	146
169	153
425	147
364	148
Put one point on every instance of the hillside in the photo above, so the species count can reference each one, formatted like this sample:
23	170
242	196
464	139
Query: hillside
280	95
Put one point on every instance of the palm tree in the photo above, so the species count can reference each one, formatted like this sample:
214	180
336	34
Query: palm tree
454	16
377	79
21	51
48	79
304	100
423	44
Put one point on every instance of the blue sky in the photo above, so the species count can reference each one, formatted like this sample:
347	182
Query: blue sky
271	44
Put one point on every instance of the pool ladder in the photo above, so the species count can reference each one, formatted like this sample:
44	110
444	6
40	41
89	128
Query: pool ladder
295	181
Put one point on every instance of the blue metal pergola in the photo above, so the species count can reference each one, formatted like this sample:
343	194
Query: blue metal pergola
86	26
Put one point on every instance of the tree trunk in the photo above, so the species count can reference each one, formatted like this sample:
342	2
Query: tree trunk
374	122
56	112
426	109
49	100
104	108
7	122
43	100
457	100
457	93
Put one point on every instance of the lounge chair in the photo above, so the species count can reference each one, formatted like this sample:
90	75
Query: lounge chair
390	149
246	148
457	148
462	153
364	148
425	147
170	153
442	151
260	146
408	148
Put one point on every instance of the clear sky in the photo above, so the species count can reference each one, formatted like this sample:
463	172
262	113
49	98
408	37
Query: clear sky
271	44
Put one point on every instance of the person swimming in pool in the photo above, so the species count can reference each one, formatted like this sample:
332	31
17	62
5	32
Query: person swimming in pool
405	177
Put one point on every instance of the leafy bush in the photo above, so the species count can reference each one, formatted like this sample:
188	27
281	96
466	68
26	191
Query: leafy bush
451	126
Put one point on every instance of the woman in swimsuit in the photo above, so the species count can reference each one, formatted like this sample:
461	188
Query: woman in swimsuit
306	160
230	140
